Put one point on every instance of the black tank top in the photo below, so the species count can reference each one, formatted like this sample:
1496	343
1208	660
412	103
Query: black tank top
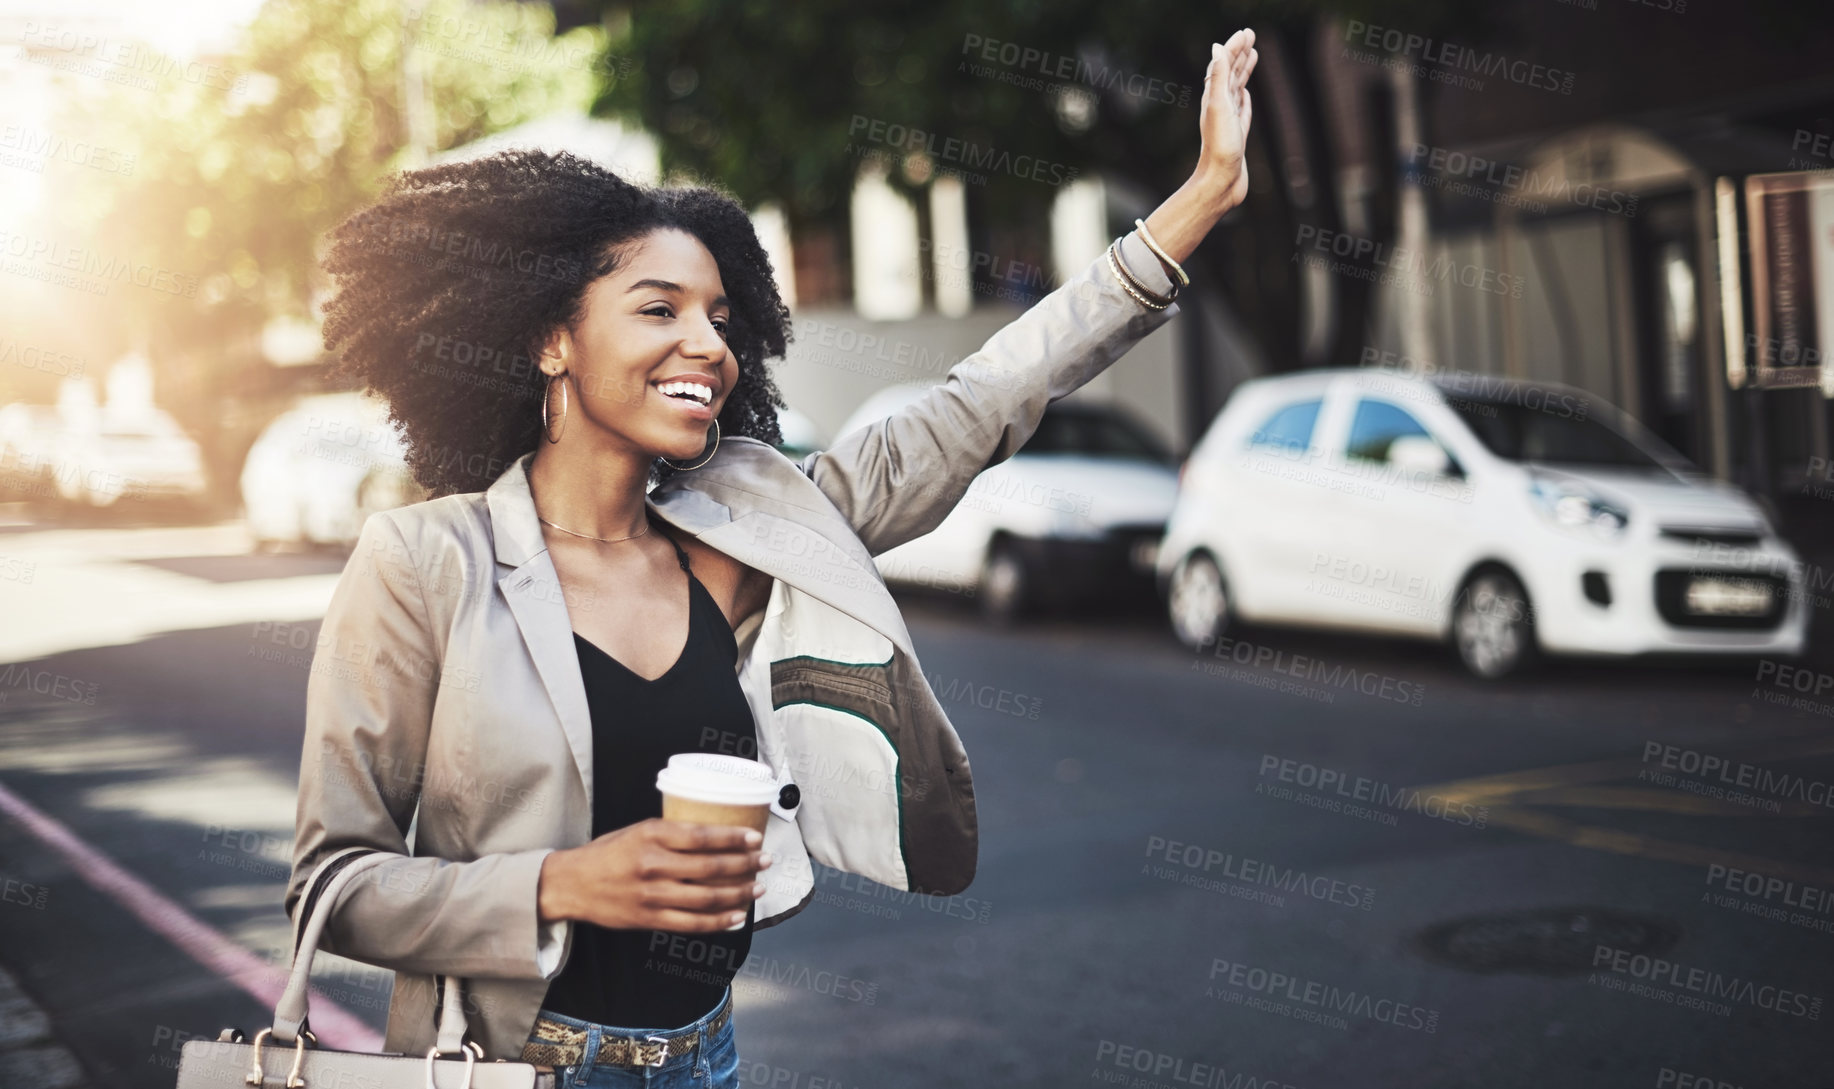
656	979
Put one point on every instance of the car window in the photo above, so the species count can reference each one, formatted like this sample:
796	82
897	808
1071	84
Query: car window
1375	427
1550	430
1289	428
1094	433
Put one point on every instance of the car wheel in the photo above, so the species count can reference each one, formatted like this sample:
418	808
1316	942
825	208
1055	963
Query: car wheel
1006	584
1198	601
1493	628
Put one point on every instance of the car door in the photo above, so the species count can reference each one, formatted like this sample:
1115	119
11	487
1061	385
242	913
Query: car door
1276	514
1401	524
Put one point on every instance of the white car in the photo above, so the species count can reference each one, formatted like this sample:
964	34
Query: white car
800	435
100	459
29	436
1078	510
321	469
146	455
1509	518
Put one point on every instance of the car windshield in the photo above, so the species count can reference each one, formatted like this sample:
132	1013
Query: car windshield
1092	433
1517	432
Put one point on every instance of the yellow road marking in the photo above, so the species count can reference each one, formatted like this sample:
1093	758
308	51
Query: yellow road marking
1510	796
1637	845
1501	787
1662	800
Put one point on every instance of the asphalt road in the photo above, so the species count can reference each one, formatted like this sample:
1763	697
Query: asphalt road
1302	861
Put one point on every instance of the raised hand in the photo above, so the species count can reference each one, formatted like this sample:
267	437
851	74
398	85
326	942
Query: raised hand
1220	180
1225	114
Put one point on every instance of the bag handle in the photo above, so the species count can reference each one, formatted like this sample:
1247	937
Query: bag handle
308	896
290	1014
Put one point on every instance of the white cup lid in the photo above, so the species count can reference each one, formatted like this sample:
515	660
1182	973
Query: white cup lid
722	780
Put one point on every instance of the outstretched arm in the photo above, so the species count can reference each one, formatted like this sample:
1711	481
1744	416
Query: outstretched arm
900	477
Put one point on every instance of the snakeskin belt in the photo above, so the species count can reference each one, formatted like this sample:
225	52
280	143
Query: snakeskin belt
558	1044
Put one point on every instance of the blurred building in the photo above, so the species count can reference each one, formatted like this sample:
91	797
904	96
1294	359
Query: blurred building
1650	222
924	296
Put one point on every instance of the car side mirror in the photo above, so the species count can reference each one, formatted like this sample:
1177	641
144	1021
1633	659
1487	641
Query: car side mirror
1418	455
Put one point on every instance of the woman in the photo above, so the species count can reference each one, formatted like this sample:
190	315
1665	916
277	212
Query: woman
508	668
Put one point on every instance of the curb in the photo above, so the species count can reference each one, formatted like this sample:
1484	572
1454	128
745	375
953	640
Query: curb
29	1054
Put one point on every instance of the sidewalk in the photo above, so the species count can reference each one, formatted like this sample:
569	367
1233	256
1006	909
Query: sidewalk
28	1053
85	588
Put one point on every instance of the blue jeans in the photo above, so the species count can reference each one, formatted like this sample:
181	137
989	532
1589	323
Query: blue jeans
712	1065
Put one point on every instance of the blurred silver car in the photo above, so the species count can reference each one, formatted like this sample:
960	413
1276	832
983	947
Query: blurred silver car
140	454
28	449
145	456
800	435
323	467
1077	512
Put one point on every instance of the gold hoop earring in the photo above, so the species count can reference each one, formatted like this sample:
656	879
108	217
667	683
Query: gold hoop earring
702	461
547	428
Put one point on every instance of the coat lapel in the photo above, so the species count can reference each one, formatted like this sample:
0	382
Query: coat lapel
532	588
755	505
750	503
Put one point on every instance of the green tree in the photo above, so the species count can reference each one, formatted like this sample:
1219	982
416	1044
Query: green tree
777	102
237	178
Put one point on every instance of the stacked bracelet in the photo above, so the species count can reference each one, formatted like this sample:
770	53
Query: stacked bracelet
1131	284
1146	236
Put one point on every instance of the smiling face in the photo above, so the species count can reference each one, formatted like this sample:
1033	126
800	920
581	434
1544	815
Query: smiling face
647	365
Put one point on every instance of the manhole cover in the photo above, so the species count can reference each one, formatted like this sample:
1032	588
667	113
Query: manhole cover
1544	942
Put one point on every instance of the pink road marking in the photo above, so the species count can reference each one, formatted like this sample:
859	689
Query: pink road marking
334	1026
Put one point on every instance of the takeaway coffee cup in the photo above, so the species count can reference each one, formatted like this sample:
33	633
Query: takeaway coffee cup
707	788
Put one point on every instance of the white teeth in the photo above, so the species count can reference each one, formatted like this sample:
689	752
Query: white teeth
693	389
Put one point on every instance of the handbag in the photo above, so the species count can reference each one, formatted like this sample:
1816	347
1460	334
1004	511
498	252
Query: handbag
279	1056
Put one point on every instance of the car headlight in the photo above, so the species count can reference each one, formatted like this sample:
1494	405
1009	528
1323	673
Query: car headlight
1767	514
1571	507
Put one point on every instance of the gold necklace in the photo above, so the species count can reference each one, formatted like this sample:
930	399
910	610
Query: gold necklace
590	537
